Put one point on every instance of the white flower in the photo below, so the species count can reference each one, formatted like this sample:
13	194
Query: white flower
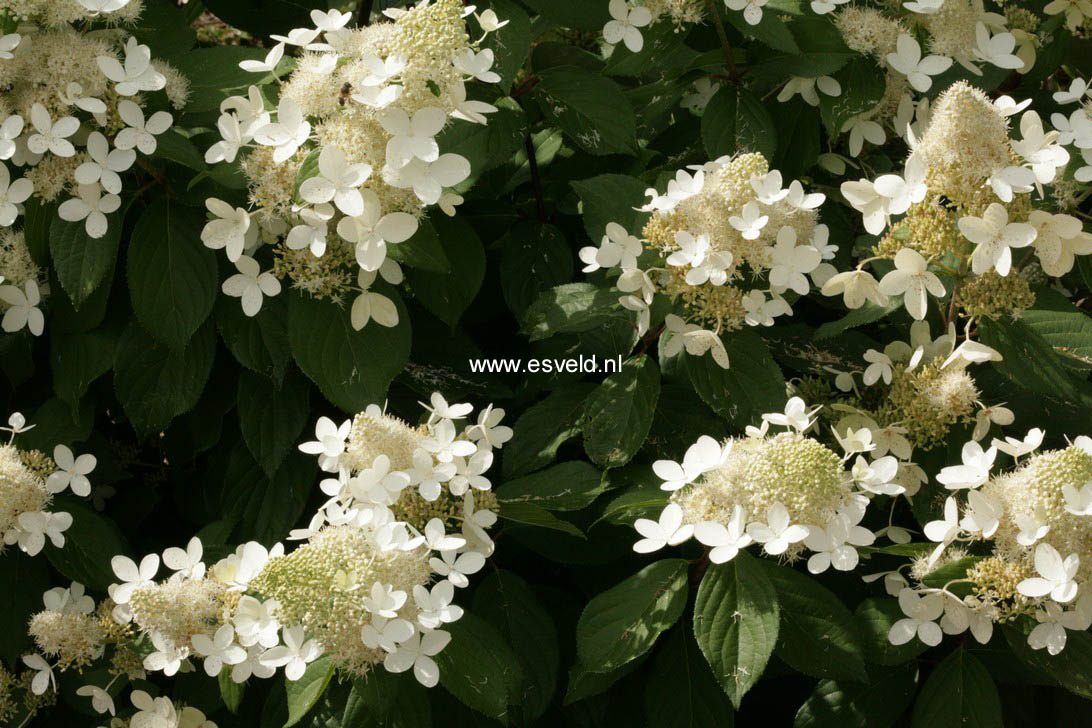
337	180
10	129
902	192
386	633
996	49
9	43
302	37
132	577
879	367
255	622
22	308
435	606
705	266
1078	89
34	526
371	306
995	237
52	136
943	531
92	207
1039	148
140	133
909	62
695	339
186	562
105	164
924	7
476	65
796	415
861	130
987	416
1056	576
1059	238
457	568
439	409
294	654
489	21
776	535
879	477
68	601
72	471
974	471
417	652
238	569
921	613
822	7
1033	526
789	262
444	446
489	433
288	133
667	531
834	544
252	665
469	109
1078	502
218	651
760	311
43	679
912	278
704	455
982	515
428	179
412	138
250	284
864	198
268	64
329	442
618	248
856	286
231	230
752	9
17	423
101	701
1019	448
311	232
370	231
809	89
625	24
725	542
750	222
138	74
152	713
1054	621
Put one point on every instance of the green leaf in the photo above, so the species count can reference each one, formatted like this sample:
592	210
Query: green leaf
272	419
302	694
83	263
23	579
623	622
591	109
686	695
79	359
618	413
641	500
447	295
231	692
173	147
172	275
259	343
89	544
798	147
37	218
580	16
543	428
163	27
817	635
958	693
1071	668
214	73
57	423
863	86
535	256
486	146
584	683
940	577
1031	363
736	618
155	384
507	602
510	44
423	251
875	618
533	515
771	30
351	368
563	487
875	704
1062	325
479	669
735	120
820	51
611	198
571	308
264	508
866	314
751	386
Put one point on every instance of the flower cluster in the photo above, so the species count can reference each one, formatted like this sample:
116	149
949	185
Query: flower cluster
406	504
72	122
734	241
1031	532
810	496
348	162
963	206
28	481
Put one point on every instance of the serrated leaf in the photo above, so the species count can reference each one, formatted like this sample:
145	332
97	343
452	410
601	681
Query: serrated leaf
543	428
686	695
23	579
231	692
563	487
958	694
423	251
751	385
623	622
592	110
79	359
817	635
611	198
272	419
771	30
214	73
735	121
530	514
90	542
875	618
571	308
447	295
156	384
172	275
259	343
820	51
351	368
863	86
875	704
1030	362
736	619
618	413
264	508
510	44
535	256
581	16
1071	668
83	263
1062	325
866	314
302	694
479	669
